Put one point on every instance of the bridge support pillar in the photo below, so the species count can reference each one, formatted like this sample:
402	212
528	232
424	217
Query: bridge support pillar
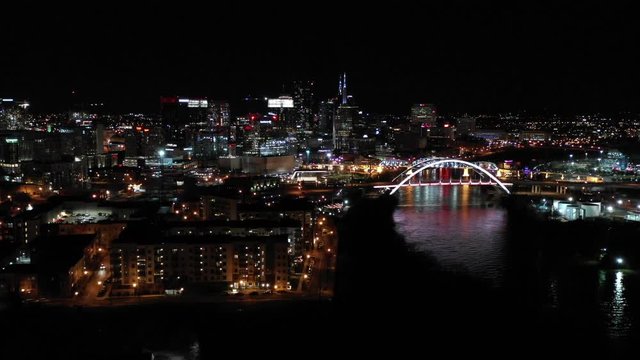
561	189
536	189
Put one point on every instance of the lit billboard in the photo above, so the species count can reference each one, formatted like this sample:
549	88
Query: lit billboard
197	103
194	103
280	103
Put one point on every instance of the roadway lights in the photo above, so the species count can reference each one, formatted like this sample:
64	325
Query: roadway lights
619	202
619	261
610	208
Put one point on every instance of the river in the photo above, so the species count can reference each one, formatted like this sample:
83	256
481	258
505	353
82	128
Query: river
465	231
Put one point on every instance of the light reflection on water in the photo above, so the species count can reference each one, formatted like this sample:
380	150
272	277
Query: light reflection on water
464	231
455	225
614	304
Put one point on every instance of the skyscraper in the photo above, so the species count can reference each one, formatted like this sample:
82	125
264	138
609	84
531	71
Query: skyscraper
219	114
326	115
345	118
342	89
303	104
212	140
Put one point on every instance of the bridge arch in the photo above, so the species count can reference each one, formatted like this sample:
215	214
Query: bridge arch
438	162
414	165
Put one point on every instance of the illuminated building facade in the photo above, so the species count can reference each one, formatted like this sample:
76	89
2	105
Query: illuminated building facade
303	104
199	125
252	262
423	115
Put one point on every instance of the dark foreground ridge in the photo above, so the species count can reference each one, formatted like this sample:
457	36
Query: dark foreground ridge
388	299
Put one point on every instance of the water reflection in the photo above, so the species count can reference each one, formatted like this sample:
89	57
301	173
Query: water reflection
619	324
455	225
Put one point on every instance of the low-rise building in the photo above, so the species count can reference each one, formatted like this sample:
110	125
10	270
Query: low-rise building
150	261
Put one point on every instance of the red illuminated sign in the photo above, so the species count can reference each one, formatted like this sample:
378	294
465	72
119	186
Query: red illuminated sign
168	99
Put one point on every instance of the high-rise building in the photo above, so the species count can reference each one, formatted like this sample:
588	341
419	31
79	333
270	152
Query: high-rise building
342	89
326	115
198	124
346	117
303	104
284	109
212	141
423	115
266	136
182	118
219	114
13	114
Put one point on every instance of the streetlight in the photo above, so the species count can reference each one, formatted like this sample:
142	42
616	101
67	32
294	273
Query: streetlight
308	155
161	153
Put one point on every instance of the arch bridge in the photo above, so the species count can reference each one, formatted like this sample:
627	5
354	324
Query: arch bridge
444	176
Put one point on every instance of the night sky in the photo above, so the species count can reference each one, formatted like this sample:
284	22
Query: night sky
475	58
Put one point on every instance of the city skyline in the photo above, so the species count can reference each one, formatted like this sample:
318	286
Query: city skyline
190	180
463	58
